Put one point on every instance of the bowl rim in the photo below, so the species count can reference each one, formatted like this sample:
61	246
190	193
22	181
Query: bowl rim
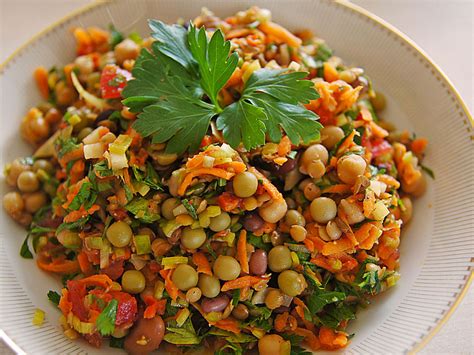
349	6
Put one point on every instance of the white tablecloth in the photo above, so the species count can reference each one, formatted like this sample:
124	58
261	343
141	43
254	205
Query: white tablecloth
443	28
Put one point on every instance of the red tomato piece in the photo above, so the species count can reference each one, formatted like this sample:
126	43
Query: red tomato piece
113	80
380	147
126	309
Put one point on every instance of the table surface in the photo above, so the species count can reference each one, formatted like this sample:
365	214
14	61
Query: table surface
443	28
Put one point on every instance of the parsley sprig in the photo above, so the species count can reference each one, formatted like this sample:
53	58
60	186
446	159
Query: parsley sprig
176	93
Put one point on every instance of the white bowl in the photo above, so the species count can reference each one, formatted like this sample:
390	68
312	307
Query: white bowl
437	246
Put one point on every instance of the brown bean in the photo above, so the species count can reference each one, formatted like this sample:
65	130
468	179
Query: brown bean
216	304
258	262
145	336
253	222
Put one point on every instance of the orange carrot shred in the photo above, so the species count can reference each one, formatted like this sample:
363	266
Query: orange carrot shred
41	77
203	266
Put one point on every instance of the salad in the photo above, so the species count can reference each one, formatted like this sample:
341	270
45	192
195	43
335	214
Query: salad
222	184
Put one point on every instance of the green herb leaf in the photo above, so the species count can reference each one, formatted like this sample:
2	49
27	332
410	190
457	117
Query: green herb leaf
182	122
299	124
190	208
320	298
117	343
115	36
105	323
173	43
185	335
243	122
258	242
54	297
215	64
428	171
25	249
85	197
285	87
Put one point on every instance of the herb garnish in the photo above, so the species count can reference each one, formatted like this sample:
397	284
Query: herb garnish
106	321
176	91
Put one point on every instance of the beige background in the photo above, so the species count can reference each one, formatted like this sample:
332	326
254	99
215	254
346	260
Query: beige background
443	28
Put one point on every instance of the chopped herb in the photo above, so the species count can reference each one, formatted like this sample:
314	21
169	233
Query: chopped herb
323	52
105	323
54	297
25	250
190	208
258	242
115	36
236	297
428	171
140	209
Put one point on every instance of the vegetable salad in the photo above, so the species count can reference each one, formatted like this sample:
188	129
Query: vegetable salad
223	184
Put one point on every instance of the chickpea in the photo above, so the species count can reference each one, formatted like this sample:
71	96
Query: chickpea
13	204
127	49
245	184
298	233
323	209
220	223
293	217
69	239
407	211
165	159
349	167
348	76
316	169
250	203
273	344
226	268
311	191
312	153
119	234
35	200
274	299
53	116
43	164
240	312
28	182
193	238
291	283
168	206
14	170
378	102
185	277
34	127
133	281
209	285
331	135
417	188
352	211
273	210
85	64
193	295
65	95
279	258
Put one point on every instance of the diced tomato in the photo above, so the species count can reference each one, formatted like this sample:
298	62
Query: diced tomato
114	270
126	309
228	201
380	147
77	292
113	80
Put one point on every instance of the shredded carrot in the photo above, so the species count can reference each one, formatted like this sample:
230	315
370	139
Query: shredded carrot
169	284
233	166
196	161
72	155
84	263
281	33
77	171
235	78
244	281
100	280
64	304
269	187
41	77
348	142
310	338
337	246
228	201
203	266
330	73
418	146
80	213
242	251
280	321
237	33
84	41
331	339
378	131
229	324
202	171
154	306
284	147
59	266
